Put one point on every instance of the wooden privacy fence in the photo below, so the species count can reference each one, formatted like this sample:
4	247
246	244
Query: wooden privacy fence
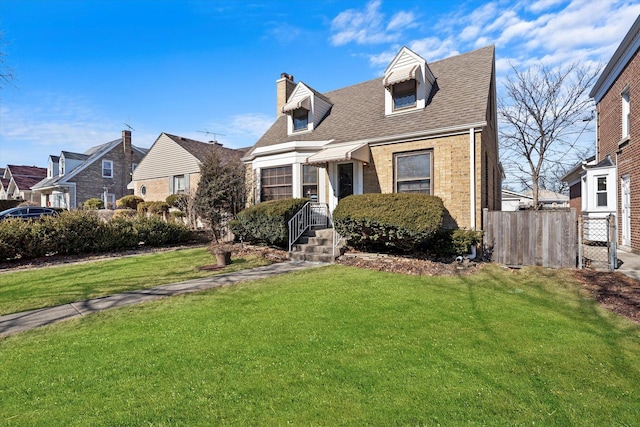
546	237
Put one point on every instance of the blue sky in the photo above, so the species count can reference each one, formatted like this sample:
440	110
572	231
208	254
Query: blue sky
85	67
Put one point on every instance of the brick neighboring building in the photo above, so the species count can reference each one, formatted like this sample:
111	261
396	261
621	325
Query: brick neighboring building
617	97
101	172
427	128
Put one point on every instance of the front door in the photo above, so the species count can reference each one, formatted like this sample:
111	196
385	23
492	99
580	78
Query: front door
345	180
626	211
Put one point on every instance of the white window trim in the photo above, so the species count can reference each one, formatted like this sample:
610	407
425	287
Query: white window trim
626	114
110	163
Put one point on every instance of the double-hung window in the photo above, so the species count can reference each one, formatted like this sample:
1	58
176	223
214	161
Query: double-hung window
601	191
413	172
107	169
179	184
276	183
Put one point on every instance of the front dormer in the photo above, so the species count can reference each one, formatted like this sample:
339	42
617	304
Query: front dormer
408	82
305	109
52	167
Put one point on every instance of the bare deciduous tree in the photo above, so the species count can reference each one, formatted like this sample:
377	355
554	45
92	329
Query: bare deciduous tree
544	113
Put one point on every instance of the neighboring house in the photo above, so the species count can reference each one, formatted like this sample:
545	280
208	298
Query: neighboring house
101	172
613	184
18	180
573	178
420	128
513	201
172	166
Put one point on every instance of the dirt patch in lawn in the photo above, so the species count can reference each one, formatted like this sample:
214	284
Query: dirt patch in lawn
418	265
614	291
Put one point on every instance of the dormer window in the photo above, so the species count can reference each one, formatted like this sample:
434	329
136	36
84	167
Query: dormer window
300	119
408	82
61	166
404	94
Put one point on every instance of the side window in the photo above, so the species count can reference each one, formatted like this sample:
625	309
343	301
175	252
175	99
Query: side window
107	169
601	191
626	114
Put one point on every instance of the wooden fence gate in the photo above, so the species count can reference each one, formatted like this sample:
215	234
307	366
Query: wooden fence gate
546	237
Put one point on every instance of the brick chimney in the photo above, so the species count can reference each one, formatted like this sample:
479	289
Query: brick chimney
127	159
284	86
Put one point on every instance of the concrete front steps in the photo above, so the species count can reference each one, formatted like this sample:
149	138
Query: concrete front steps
315	245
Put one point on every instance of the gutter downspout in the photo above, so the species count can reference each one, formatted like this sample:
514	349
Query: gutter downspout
472	176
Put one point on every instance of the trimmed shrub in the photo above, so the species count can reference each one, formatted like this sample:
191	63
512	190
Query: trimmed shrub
178	200
153	208
117	234
124	213
74	232
267	222
400	222
16	239
153	231
129	202
454	242
93	203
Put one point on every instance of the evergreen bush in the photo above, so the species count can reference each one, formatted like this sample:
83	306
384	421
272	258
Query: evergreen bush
396	222
129	202
267	222
94	203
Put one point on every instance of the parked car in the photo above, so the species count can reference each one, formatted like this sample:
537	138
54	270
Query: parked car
27	212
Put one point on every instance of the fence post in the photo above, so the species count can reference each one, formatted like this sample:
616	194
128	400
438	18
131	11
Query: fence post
613	242
580	232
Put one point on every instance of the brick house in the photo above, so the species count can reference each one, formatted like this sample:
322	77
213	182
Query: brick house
101	172
422	128
172	166
613	183
18	180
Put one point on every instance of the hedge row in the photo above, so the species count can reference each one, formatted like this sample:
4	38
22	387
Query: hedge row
75	232
402	222
267	222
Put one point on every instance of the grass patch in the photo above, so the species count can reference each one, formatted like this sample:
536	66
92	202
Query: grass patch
336	345
27	290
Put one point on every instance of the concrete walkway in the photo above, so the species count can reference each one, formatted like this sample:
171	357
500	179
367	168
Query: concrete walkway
629	264
18	322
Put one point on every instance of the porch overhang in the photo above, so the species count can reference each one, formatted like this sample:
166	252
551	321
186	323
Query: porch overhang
342	153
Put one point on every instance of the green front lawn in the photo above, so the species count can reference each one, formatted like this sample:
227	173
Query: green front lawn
336	346
31	289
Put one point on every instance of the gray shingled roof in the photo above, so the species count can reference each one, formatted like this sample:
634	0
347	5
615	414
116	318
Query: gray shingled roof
459	97
201	150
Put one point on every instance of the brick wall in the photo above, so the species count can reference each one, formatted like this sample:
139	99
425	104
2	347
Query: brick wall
157	189
610	139
450	179
90	183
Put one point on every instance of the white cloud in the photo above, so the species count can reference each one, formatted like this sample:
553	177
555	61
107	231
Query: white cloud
542	5
401	20
367	26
